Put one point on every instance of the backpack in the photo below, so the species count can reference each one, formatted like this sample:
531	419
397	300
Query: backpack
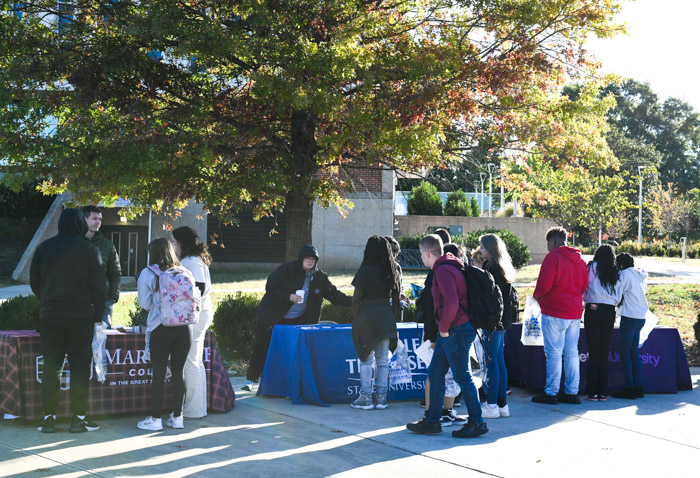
484	300
180	298
511	311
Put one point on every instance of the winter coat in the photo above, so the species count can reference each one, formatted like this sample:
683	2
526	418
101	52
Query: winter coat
110	261
504	286
561	284
66	272
286	280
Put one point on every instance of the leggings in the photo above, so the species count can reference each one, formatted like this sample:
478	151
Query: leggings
175	343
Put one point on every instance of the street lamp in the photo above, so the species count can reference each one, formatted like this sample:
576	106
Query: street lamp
482	176
491	166
639	230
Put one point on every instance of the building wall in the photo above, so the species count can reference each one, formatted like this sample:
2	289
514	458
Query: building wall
531	231
341	241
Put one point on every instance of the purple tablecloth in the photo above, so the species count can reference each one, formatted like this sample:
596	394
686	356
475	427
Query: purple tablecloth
664	364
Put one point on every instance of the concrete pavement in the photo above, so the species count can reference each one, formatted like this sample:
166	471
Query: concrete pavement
268	437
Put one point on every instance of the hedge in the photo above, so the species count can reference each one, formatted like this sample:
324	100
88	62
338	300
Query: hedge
20	313
654	248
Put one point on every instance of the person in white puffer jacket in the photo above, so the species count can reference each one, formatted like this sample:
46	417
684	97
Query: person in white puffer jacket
633	309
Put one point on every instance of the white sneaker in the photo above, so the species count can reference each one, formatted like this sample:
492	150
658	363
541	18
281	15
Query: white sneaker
249	386
488	412
150	423
504	411
175	422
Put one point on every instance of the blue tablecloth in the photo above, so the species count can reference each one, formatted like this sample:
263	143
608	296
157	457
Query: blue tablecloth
664	364
318	364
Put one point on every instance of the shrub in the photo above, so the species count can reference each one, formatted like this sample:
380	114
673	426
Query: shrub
138	315
410	242
336	313
457	204
474	207
519	253
20	313
425	200
234	325
696	328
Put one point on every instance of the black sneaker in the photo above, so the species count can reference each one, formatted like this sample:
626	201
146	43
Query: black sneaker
569	398
458	400
80	426
471	430
424	427
450	416
48	425
544	398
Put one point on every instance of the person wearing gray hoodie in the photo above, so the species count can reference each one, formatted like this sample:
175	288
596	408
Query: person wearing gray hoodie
634	306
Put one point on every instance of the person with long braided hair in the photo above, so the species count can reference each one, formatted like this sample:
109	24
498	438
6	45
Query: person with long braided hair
374	325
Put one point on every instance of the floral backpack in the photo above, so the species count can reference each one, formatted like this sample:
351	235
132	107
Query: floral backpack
180	298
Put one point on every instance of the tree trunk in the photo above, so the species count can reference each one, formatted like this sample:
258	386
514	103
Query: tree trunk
299	216
299	200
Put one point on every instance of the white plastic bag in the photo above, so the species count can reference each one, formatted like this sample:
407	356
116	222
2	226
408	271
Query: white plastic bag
99	354
425	353
532	323
399	367
650	321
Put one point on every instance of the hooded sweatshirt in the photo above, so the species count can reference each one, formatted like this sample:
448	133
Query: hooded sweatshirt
449	292
561	284
633	287
290	277
66	273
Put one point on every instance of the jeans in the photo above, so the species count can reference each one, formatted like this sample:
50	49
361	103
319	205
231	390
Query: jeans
629	351
561	338
453	352
599	326
381	355
175	343
496	382
61	336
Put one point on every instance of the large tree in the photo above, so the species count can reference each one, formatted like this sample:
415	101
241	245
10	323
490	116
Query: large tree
270	103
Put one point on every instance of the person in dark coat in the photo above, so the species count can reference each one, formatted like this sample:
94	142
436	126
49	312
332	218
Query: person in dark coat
67	276
374	324
282	305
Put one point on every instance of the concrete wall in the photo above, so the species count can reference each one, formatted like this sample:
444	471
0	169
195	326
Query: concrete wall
531	231
341	241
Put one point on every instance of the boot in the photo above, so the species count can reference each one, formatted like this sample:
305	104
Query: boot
639	392
628	393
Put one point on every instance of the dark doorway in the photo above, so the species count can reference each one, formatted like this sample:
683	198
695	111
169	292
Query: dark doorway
131	243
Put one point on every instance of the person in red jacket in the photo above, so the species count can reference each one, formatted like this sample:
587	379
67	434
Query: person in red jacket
561	284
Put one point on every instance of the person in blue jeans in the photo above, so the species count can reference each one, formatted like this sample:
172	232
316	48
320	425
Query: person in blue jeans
499	264
634	306
454	340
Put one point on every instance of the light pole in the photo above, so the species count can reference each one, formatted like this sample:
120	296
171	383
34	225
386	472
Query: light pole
482	176
491	166
639	230
503	202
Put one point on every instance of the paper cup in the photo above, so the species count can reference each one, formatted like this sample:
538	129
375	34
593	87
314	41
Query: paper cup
301	293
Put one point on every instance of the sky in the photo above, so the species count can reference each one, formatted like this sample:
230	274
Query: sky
661	47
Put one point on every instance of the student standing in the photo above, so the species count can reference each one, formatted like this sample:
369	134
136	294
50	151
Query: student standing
602	296
499	264
67	277
633	287
173	342
455	337
195	257
374	324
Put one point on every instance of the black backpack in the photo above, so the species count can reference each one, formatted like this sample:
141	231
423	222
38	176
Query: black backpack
511	312
484	300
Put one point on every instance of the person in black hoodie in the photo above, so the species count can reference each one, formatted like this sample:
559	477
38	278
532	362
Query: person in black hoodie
282	305
67	276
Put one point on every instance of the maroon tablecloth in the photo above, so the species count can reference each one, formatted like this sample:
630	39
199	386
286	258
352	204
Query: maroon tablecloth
126	390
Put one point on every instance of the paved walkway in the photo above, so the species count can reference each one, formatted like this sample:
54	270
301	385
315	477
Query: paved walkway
270	437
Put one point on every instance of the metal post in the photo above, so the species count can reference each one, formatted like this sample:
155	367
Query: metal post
503	201
490	182
481	210
684	243
639	229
